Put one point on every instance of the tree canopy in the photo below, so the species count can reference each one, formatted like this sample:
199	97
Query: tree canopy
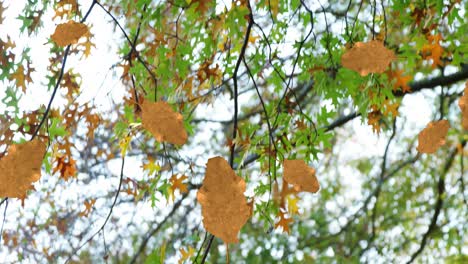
202	131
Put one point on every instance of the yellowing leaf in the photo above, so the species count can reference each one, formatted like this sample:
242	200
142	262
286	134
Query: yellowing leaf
166	125
69	33
433	136
124	143
177	184
463	104
224	207
292	204
303	178
186	254
20	168
369	57
151	167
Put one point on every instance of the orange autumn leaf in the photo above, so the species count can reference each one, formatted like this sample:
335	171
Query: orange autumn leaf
20	168
66	167
69	33
368	57
88	206
224	207
433	50
303	178
401	82
163	122
433	136
283	222
463	104
178	184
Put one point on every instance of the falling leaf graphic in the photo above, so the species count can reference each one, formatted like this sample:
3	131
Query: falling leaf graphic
20	168
368	57
463	104
166	125
433	136
69	33
224	206
303	178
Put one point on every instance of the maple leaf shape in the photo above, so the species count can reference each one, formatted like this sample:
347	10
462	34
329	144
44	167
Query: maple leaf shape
433	136
20	168
283	222
463	104
434	49
67	169
224	206
391	108
186	254
163	122
177	184
303	178
401	81
19	77
368	57
69	33
373	119
88	206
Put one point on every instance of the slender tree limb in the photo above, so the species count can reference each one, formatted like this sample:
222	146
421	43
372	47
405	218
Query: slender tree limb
155	230
59	79
438	205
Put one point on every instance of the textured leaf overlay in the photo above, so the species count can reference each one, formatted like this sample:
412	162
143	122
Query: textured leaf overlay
20	168
165	124
433	136
224	207
69	33
303	178
369	57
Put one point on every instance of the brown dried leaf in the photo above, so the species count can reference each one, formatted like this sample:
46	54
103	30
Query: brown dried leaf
69	33
20	168
303	178
163	122
369	57
463	104
433	136
224	207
